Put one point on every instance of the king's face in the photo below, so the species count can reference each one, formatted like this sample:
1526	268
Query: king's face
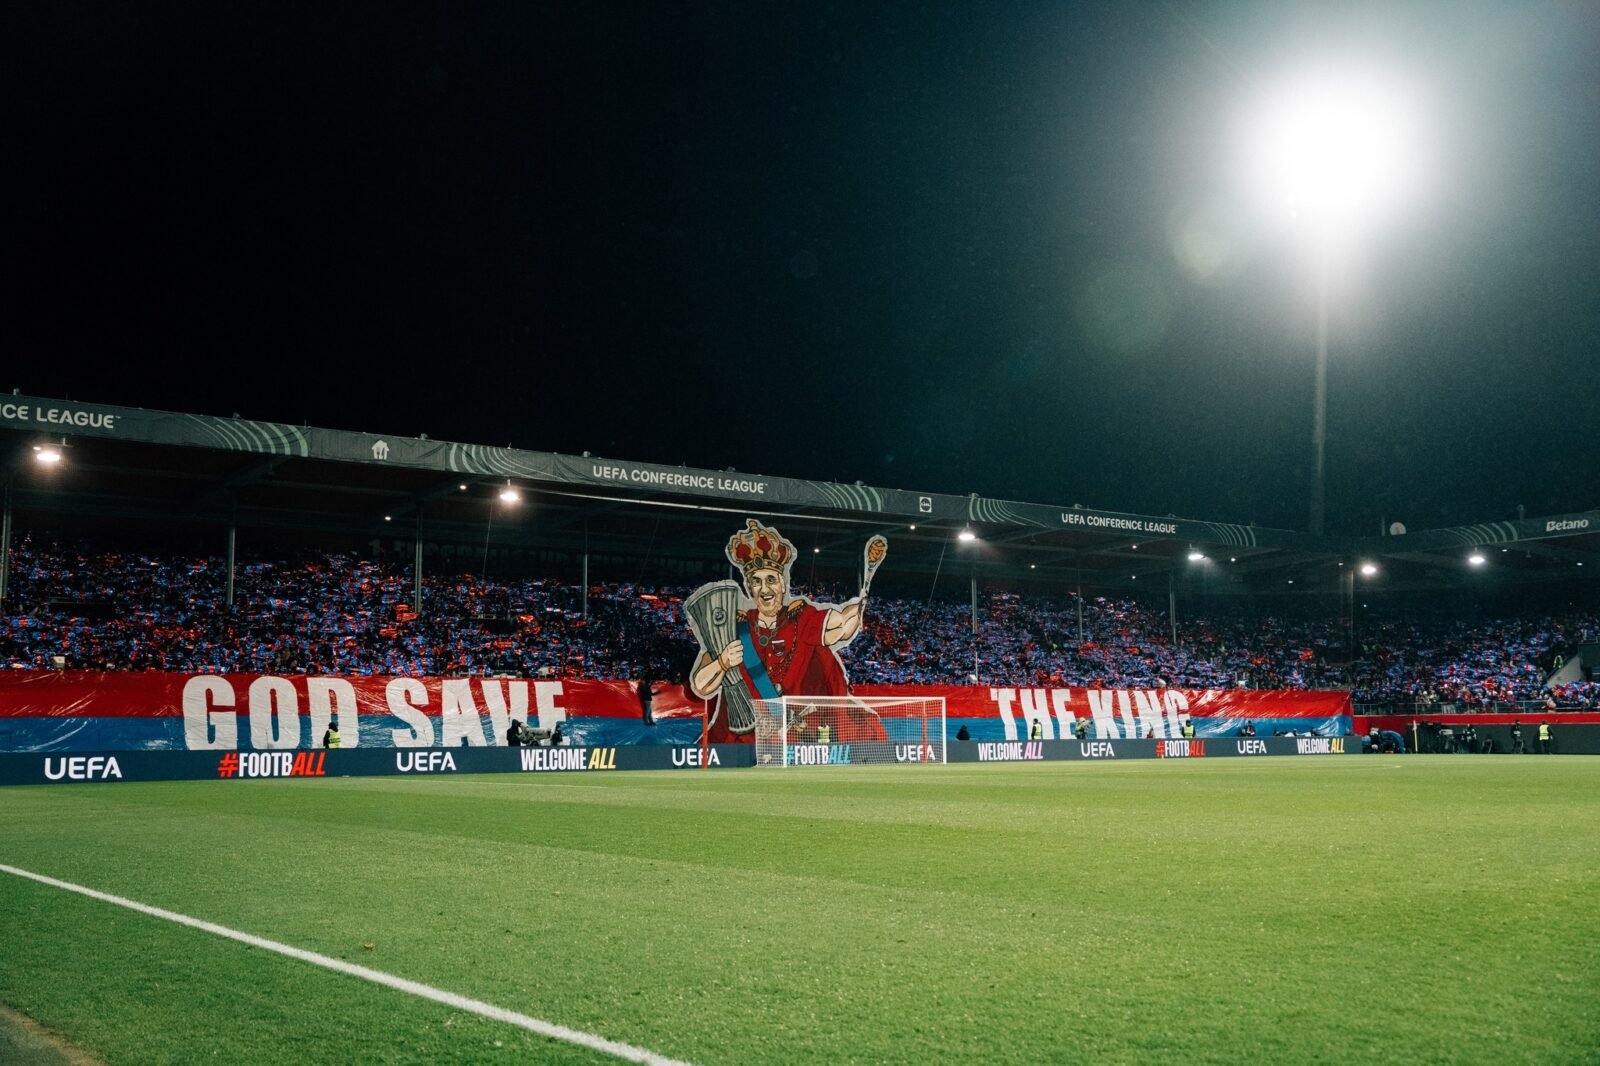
766	589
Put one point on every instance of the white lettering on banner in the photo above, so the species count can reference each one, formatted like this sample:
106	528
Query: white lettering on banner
1149	710
819	754
1156	712
1313	746
83	768
678	479
202	727
1102	709
1058	703
1008	722
404	695
915	753
266	764
1100	521
1176	703
544	704
56	416
424	762
458	715
1036	708
541	759
330	697
1010	751
274	713
1097	749
500	715
1180	749
691	757
209	722
1250	747
1566	523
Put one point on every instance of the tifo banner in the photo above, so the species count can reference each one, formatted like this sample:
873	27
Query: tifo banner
50	711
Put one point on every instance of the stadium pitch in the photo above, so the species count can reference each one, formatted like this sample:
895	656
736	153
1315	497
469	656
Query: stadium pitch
1442	909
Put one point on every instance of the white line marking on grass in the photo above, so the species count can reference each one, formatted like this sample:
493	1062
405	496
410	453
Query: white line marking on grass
438	995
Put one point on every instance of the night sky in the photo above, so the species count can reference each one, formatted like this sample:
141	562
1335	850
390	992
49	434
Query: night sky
992	248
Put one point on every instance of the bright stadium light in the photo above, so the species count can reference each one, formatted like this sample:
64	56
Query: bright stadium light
1368	569
1476	559
509	494
966	536
1196	556
46	454
1335	150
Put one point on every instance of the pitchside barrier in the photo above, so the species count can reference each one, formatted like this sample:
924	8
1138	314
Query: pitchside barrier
1571	732
102	767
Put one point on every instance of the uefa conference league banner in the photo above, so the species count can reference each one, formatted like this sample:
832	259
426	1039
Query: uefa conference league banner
67	418
86	711
58	418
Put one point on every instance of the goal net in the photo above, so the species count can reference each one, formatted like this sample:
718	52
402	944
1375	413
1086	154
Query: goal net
834	730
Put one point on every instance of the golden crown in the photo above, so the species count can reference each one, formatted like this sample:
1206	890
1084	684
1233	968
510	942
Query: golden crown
758	547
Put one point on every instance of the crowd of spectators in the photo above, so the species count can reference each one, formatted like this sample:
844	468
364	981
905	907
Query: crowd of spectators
78	607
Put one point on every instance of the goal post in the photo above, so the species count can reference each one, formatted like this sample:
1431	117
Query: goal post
836	730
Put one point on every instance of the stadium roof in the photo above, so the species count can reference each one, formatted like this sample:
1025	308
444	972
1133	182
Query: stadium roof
133	463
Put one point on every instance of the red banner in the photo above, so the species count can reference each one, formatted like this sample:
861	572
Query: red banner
33	693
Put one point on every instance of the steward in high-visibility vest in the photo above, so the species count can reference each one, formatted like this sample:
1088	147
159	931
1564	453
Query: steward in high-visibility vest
1544	738
330	739
824	733
1188	729
1035	731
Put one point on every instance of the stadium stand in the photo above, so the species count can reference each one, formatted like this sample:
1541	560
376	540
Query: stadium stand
85	606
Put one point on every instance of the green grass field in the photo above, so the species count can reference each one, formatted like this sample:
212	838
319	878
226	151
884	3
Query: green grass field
1424	909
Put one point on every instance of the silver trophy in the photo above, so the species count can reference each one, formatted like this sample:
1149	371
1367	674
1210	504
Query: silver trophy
713	613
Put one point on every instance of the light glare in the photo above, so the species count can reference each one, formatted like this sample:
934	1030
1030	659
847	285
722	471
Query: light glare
1336	148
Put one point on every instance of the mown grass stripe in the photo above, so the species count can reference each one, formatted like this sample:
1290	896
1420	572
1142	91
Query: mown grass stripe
626	1052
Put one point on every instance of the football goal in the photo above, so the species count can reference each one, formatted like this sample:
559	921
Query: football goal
836	730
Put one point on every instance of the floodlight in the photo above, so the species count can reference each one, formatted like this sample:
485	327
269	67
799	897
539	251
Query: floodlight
966	536
46	453
1368	569
1196	556
1336	147
509	494
1476	559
